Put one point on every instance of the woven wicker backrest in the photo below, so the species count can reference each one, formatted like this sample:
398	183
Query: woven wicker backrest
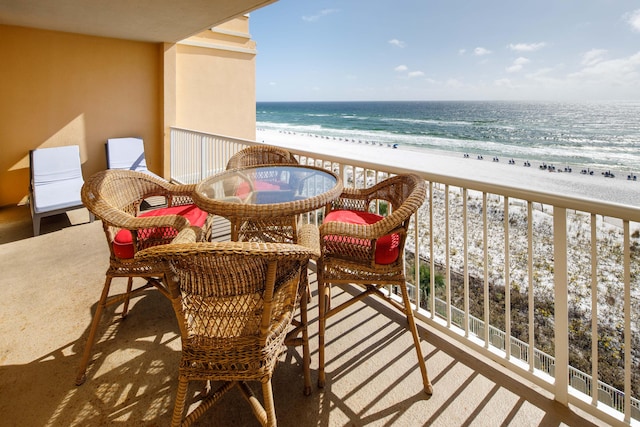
403	193
232	289
260	155
125	190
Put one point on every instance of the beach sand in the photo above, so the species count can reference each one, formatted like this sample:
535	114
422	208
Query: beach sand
617	190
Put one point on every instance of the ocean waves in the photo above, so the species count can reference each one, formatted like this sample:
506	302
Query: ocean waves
597	135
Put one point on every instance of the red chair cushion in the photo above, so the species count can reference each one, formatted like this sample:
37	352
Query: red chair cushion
387	247
123	242
243	189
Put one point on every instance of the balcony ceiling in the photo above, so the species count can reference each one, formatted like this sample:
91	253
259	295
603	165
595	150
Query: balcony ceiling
140	20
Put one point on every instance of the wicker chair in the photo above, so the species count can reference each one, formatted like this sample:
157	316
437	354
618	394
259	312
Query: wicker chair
363	248
260	155
115	197
266	230
234	302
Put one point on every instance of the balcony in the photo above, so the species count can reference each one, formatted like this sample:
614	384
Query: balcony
481	372
52	282
570	265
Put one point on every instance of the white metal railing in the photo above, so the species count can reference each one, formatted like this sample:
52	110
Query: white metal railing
197	155
546	270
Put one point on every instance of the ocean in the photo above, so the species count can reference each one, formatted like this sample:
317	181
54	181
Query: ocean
600	136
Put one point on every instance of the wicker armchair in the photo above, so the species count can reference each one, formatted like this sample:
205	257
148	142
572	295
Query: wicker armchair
115	197
234	302
260	155
363	248
266	230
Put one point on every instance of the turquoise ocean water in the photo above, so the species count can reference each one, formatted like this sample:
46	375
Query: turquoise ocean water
601	136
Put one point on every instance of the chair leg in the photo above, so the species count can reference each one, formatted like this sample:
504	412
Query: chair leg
269	405
81	376
125	308
36	225
306	356
178	408
323	304
416	340
266	414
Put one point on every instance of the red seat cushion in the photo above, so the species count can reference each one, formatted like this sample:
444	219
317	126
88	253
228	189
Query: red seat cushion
243	189
387	247
123	242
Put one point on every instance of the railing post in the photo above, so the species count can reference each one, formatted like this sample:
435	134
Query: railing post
447	254
432	263
627	322
465	254
561	305
416	258
531	300
203	157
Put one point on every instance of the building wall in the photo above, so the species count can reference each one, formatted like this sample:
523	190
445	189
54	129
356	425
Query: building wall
215	86
65	89
62	89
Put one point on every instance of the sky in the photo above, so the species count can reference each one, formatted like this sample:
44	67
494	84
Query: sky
381	50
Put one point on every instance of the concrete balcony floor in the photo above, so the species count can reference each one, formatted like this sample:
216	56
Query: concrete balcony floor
49	287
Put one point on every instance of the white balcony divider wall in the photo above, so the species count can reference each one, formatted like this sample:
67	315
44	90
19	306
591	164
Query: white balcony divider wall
497	283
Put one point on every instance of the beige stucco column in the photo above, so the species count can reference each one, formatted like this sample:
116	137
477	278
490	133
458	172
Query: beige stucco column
169	99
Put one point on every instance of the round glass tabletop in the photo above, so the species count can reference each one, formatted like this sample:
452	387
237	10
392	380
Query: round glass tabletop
268	190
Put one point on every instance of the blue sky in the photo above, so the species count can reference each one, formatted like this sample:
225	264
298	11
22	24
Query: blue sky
557	50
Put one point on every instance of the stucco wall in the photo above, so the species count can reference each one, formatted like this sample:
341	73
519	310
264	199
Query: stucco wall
215	83
63	89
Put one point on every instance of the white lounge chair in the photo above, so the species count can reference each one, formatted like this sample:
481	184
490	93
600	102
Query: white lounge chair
127	153
56	180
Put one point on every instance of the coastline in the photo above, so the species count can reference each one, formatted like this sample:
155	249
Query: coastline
617	190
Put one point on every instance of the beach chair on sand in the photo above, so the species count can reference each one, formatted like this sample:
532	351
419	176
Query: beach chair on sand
56	180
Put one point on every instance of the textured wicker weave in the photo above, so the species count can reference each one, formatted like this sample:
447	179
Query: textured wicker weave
263	230
115	197
348	252
234	302
274	222
260	155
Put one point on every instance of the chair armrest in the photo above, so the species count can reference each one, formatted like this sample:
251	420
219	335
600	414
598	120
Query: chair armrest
387	225
309	237
121	219
191	234
180	189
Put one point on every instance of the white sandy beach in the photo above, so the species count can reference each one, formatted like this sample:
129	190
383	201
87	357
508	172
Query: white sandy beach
594	187
453	165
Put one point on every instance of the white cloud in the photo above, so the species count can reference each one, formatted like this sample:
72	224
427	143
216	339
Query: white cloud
624	70
462	51
321	14
526	47
593	56
401	68
416	74
503	83
633	18
480	51
455	83
539	74
518	64
396	42
272	83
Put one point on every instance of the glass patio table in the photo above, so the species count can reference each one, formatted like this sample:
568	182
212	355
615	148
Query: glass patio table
263	202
